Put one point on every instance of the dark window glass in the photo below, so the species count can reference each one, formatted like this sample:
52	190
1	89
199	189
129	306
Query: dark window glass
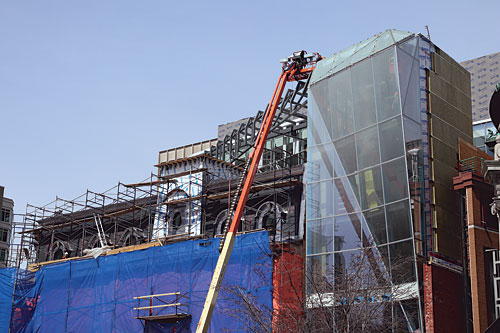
411	101
346	151
319	236
395	180
347	232
5	215
405	64
3	255
319	274
343	265
386	85
363	95
357	267
177	220
4	235
346	195
376	223
371	188
367	147
384	253
402	262
398	220
391	139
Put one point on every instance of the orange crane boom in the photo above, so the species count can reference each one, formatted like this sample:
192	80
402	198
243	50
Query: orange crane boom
296	67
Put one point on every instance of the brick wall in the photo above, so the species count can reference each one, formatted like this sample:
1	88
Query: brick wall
443	300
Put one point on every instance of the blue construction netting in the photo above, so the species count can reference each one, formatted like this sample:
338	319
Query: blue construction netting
96	295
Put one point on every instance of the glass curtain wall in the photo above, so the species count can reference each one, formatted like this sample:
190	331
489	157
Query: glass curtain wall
484	132
364	172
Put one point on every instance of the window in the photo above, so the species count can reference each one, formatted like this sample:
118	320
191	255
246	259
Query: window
3	255
5	215
4	235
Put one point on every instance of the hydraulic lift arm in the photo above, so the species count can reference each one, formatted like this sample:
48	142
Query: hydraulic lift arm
297	67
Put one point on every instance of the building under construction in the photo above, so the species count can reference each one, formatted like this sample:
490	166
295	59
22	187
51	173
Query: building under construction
188	199
364	165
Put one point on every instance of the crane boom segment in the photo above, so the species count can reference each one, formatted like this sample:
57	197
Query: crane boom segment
298	66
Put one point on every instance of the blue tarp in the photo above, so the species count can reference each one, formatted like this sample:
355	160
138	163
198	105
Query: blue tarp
96	295
6	291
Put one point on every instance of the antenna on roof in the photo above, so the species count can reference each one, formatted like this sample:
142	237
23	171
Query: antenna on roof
428	33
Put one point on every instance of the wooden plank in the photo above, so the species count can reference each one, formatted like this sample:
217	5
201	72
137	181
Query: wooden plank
166	318
157	295
158	306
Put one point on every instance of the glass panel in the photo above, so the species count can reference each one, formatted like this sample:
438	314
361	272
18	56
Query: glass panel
346	195
319	236
383	41
341	96
320	199
410	317
405	65
363	50
402	262
391	139
376	223
413	134
411	106
317	129
363	95
320	162
386	88
346	150
395	180
478	133
313	201
343	264
367	147
360	268
319	273
384	254
398	220
410	46
347	232
399	35
371	188
322	69
490	131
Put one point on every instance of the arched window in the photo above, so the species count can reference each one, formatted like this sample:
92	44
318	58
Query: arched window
58	254
176	222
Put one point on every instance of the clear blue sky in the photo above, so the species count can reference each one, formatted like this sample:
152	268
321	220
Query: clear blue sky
91	91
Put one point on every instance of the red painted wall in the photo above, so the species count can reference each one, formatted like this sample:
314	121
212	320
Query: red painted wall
288	291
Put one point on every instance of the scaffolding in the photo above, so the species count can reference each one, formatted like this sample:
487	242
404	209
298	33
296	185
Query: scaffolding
186	198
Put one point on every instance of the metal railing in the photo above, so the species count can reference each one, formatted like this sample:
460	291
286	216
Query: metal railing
472	164
162	305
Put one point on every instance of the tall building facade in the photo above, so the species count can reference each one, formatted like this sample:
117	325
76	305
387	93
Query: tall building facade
384	119
6	216
485	75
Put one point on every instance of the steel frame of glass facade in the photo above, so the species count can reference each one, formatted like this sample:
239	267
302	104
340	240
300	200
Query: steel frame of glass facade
367	171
